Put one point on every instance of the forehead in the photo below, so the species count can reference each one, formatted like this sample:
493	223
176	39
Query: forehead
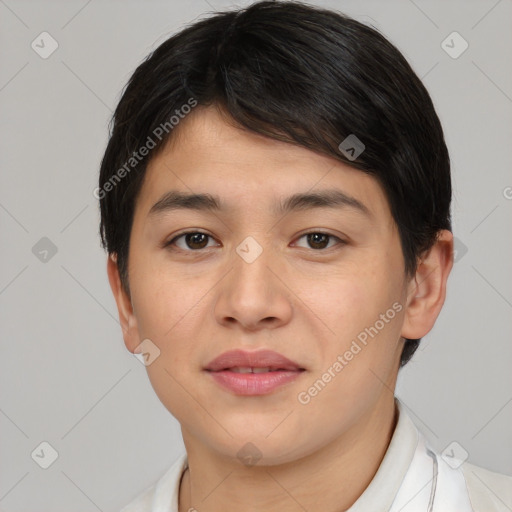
208	153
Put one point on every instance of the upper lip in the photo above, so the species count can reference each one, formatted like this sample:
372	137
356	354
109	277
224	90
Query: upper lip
259	359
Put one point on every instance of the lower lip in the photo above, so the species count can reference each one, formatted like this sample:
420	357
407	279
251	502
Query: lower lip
254	383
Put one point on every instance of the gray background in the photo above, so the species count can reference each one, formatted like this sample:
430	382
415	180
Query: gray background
66	377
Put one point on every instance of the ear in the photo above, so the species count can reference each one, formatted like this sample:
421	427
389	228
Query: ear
124	305
427	289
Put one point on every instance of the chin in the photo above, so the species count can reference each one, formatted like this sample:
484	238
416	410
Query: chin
252	448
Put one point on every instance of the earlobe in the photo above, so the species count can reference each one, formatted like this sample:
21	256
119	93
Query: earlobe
127	318
427	290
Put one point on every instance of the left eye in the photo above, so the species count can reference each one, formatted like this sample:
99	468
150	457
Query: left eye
319	240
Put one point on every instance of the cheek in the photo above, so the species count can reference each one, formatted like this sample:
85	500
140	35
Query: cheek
343	300
163	299
363	305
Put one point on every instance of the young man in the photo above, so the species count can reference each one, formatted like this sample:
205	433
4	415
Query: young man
275	202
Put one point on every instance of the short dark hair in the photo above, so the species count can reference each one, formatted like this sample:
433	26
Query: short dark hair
295	73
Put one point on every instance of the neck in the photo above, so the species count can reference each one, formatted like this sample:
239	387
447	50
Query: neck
331	479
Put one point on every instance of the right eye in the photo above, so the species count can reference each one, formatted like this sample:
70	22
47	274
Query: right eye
193	241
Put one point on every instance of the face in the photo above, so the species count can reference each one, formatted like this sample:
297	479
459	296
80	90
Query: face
318	283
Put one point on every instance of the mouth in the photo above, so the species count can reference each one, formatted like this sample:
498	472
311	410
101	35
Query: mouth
253	373
257	369
260	361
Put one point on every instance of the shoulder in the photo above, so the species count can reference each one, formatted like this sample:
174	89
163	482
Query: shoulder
488	491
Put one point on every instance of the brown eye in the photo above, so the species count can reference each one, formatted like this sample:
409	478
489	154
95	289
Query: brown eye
190	241
318	240
196	240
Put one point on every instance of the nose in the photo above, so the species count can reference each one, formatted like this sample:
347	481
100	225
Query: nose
254	295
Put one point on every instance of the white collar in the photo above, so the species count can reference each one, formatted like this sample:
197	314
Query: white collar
410	478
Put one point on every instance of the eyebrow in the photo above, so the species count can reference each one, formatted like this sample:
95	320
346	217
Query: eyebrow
330	198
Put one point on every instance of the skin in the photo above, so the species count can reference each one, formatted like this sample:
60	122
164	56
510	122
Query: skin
305	301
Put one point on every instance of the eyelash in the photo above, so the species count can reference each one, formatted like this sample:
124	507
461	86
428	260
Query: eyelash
171	242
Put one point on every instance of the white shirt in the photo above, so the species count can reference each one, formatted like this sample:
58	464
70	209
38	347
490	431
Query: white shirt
411	478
